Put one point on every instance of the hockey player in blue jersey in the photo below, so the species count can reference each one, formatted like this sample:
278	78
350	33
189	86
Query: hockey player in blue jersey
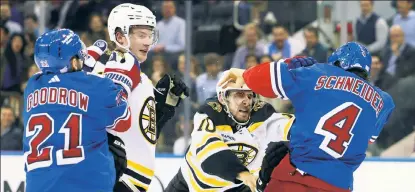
67	113
338	112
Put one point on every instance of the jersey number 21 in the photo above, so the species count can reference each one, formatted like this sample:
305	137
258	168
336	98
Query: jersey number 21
41	127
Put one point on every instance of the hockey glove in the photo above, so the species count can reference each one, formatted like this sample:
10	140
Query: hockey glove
116	146
274	153
94	53
299	61
124	69
169	92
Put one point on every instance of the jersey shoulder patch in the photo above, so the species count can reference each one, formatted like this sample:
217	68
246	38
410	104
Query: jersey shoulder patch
214	110
262	111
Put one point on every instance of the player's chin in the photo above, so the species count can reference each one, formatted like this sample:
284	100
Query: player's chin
142	55
242	116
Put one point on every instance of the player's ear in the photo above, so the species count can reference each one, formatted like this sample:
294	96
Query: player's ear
75	64
119	36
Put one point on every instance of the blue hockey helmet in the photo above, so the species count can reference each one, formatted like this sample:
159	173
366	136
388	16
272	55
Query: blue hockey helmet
352	55
55	49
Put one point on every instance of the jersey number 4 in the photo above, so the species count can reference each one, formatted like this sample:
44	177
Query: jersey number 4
41	127
336	126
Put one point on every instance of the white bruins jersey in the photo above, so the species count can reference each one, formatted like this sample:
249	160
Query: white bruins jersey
214	136
140	140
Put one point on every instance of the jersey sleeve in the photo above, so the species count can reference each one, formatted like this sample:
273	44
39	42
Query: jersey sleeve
276	80
383	118
116	107
212	153
276	128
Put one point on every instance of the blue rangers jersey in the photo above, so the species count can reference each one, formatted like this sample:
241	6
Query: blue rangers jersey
337	115
66	118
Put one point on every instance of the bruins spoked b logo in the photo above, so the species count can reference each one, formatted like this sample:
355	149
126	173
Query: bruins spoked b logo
147	120
246	153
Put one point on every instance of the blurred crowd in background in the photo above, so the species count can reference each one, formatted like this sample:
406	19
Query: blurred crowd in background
225	34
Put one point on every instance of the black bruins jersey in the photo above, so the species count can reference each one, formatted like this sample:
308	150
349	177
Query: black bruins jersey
220	149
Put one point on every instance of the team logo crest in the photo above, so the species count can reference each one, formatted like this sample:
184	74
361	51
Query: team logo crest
147	120
215	106
246	153
44	63
258	105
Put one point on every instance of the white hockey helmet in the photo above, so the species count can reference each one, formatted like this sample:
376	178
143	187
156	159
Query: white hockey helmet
126	15
222	94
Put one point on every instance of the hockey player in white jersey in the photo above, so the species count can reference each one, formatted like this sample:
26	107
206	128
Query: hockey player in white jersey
230	135
132	28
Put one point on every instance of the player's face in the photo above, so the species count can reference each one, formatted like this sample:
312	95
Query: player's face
141	38
240	104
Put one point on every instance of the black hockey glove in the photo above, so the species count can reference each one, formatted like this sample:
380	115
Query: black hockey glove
274	153
169	92
116	146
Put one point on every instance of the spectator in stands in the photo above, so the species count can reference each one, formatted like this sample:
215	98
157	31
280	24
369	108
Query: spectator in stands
31	26
370	29
194	72
313	47
406	19
400	56
280	47
13	63
4	38
35	7
251	61
33	69
251	46
265	58
159	68
5	14
378	76
96	31
401	122
327	26
30	46
180	145
206	82
349	33
172	30
11	135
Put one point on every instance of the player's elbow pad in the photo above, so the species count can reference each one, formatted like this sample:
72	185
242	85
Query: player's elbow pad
124	81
